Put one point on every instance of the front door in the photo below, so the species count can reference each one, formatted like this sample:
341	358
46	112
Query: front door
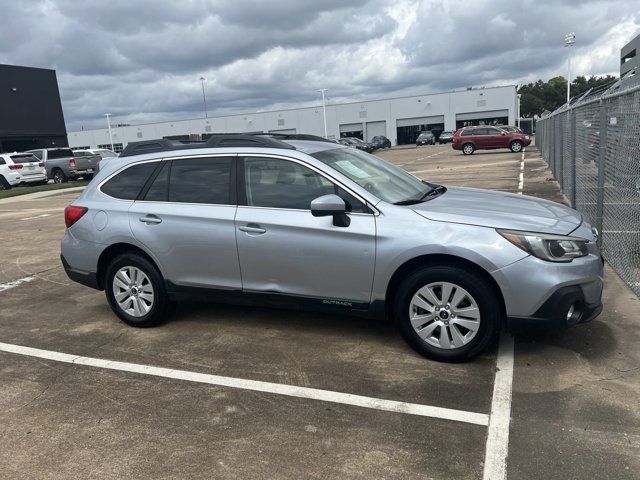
284	249
186	218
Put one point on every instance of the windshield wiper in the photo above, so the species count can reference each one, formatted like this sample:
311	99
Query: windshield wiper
432	192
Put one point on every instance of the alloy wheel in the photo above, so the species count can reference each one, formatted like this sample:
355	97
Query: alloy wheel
444	315
133	291
468	149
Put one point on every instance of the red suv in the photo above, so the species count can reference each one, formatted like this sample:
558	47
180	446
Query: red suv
470	139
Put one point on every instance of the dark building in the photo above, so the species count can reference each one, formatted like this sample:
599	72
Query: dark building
630	56
30	109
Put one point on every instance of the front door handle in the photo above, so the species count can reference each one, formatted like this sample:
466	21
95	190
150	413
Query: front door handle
253	228
149	219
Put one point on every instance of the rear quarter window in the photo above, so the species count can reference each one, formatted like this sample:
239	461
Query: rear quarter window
59	153
127	184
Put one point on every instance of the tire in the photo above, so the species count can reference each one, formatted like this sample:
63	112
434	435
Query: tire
469	291
147	304
468	148
4	185
59	176
516	146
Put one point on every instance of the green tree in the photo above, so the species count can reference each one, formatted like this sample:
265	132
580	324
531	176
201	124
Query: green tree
539	96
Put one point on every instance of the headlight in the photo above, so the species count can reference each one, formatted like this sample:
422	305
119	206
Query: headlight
553	248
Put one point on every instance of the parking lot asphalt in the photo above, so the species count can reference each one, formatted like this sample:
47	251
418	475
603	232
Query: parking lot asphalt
574	411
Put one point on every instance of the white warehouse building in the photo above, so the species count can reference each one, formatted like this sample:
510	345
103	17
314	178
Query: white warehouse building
399	119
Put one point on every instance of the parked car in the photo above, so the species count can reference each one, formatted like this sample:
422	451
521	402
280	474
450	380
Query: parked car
445	137
357	143
316	225
105	154
426	138
470	139
95	159
20	168
62	165
380	141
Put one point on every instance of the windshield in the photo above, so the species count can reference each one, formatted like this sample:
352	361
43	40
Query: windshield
355	140
425	134
106	153
387	182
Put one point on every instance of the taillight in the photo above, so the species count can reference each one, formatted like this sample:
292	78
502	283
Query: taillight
72	214
41	164
15	166
72	163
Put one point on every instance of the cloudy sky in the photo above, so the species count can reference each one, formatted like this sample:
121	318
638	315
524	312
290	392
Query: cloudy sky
141	59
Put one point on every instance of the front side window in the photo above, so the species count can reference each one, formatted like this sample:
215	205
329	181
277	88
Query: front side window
387	182
127	184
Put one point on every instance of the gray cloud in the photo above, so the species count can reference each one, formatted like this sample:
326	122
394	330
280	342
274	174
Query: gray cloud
141	60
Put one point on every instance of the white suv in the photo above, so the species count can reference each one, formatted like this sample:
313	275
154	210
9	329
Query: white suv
20	168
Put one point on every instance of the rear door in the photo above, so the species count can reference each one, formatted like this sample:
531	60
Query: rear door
186	218
495	138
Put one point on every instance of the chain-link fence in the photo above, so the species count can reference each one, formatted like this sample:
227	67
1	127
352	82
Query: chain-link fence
592	146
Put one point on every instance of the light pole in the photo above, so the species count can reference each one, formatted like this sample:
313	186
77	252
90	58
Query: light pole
518	117
109	126
204	98
569	40
324	110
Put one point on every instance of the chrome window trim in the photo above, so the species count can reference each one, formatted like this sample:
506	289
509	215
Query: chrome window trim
376	212
319	172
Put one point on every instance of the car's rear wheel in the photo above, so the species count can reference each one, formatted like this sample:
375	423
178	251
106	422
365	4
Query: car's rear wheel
4	185
59	176
447	313
516	146
135	291
468	148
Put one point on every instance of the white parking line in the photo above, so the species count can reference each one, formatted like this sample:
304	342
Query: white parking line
497	449
37	216
258	386
521	176
15	283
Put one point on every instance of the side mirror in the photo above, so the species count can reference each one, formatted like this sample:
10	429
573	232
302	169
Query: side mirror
333	205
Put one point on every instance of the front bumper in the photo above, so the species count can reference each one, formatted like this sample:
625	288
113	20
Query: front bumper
567	306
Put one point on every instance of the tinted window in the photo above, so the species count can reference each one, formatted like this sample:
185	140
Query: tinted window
60	153
494	131
23	158
467	133
159	190
38	155
2	162
127	184
283	184
201	180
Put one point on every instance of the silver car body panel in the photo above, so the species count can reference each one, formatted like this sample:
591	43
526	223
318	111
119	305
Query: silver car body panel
225	247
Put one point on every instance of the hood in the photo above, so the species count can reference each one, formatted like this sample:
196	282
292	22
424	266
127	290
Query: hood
490	208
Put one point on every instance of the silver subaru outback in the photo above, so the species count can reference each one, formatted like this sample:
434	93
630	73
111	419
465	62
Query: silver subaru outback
304	222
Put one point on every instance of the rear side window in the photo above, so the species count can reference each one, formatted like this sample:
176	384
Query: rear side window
466	133
2	162
60	153
127	184
201	180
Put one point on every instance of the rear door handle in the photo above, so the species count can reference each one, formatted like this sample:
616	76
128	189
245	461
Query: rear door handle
149	219
253	228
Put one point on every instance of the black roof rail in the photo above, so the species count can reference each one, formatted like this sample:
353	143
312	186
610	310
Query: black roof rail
295	136
217	140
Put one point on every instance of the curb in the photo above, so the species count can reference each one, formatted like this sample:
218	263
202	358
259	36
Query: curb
37	195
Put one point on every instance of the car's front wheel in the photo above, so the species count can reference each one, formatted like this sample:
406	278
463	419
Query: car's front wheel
516	146
468	148
447	313
135	291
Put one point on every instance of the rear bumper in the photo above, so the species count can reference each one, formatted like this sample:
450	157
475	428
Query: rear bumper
88	279
555	311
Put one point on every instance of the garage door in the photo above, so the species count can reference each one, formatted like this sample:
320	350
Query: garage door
488	117
351	130
375	129
408	129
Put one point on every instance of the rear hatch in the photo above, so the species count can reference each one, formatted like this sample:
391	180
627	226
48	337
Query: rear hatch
30	164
